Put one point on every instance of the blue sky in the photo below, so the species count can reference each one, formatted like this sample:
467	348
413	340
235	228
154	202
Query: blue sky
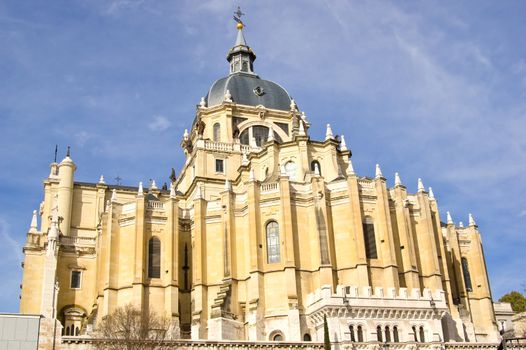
432	89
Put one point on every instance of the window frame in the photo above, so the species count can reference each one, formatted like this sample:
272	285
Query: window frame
79	279
150	266
369	239
270	245
223	166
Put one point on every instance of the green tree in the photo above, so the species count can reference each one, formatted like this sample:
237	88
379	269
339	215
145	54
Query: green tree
516	299
326	340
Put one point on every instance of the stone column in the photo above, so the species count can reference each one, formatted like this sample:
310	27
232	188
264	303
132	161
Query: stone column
199	277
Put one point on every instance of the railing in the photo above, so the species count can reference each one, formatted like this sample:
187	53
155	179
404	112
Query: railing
270	187
219	146
33	239
366	183
78	241
155	205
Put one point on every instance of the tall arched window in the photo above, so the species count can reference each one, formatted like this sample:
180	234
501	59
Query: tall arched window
217	132
369	239
387	334
307	337
351	330
154	258
290	169
273	255
379	333
360	334
396	338
422	335
467	275
313	165
414	333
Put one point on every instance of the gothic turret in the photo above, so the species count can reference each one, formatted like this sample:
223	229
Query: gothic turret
241	57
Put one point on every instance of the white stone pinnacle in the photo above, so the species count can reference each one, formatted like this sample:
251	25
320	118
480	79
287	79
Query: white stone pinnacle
153	185
185	135
472	220
292	104
421	187
33	227
350	169
328	134
431	194
228	96
140	192
101	179
270	135
172	190
460	224
202	103
114	195
398	181
244	159
301	131
343	145
304	117
449	219
378	171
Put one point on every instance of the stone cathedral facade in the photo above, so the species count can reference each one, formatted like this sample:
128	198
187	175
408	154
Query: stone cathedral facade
265	233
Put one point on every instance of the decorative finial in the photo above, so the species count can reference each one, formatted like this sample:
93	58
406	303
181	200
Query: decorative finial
398	181
301	131
56	151
68	153
304	117
343	145
449	219
378	172
101	180
350	169
202	103
114	195
172	177
140	192
153	185
228	96
460	224
172	190
292	104
328	134
33	227
472	220
237	17
244	159
421	187
270	135
251	175
185	134
431	194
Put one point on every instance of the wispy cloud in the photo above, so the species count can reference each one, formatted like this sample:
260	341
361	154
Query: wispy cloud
159	123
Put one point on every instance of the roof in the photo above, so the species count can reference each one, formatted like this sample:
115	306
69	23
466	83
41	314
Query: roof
242	87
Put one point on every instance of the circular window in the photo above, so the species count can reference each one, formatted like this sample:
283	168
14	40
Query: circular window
277	337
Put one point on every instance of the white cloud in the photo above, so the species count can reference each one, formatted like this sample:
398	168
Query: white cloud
159	123
522	213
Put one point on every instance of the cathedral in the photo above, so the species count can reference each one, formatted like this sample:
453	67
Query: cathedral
266	235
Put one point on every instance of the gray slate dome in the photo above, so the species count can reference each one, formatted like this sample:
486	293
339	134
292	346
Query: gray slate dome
248	89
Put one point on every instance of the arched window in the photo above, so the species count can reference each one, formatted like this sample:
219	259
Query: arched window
217	132
290	169
379	333
467	275
154	258
244	68
422	335
76	330
307	337
387	334
360	334
313	165
414	333
351	330
396	339
369	239
277	336
273	254
67	330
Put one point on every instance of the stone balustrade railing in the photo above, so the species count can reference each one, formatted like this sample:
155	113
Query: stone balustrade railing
155	205
78	241
366	183
269	187
219	146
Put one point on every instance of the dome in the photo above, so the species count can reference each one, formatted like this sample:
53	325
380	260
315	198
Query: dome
248	89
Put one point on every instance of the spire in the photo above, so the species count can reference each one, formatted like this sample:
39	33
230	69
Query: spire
202	103
449	219
301	131
114	195
328	134
101	180
431	194
172	190
378	172
472	220
241	57
185	134
343	145
33	227
153	186
398	181
421	187
140	192
292	104
270	135
350	169
460	224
